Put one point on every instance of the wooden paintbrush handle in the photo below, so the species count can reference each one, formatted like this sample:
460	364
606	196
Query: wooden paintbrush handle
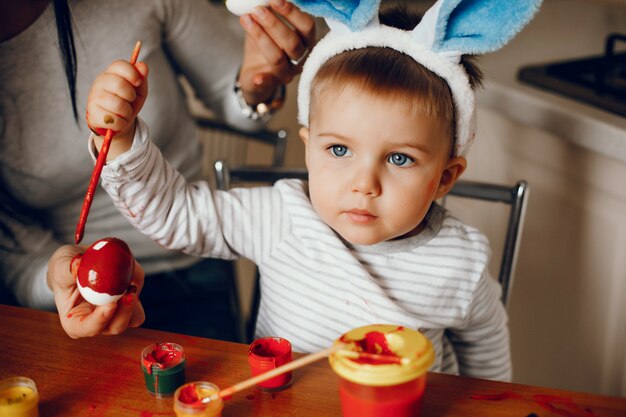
290	366
97	170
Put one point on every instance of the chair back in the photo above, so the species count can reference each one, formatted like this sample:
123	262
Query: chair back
516	197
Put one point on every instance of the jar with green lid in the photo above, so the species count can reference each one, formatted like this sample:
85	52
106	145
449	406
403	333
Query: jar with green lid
393	383
163	366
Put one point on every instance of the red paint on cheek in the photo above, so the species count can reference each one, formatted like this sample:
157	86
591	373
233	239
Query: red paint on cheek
432	186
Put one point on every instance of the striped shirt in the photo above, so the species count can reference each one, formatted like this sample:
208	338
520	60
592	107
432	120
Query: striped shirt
315	286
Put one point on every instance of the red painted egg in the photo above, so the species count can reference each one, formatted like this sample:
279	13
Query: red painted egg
103	273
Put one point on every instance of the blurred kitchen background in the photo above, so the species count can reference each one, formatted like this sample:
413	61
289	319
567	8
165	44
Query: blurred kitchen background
568	302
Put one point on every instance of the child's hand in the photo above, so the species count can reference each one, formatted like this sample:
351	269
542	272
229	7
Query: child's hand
116	97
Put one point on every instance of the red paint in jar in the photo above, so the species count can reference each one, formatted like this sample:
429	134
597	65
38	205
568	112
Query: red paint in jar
390	378
375	344
403	400
266	354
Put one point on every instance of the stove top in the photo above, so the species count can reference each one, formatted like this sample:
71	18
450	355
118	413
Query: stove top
599	81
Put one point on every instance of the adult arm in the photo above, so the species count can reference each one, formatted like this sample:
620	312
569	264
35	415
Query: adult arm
206	45
23	269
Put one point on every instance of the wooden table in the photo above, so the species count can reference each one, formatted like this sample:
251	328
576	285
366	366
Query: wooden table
101	376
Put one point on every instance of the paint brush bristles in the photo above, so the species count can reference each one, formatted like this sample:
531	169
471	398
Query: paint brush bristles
97	170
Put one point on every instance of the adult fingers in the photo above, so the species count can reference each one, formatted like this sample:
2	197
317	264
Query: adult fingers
59	276
303	23
86	320
127	306
260	42
285	39
138	316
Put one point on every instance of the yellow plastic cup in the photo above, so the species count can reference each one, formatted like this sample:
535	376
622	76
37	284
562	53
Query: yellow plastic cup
188	400
18	398
368	388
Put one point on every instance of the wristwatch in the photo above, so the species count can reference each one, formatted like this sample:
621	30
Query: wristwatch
261	111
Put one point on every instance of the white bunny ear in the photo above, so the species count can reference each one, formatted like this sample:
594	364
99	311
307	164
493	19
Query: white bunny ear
354	14
473	26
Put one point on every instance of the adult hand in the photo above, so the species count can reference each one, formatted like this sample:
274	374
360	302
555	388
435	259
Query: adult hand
82	319
274	52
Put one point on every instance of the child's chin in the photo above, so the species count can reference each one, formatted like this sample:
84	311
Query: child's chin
360	239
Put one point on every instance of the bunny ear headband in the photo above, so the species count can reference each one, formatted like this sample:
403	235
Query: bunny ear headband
449	29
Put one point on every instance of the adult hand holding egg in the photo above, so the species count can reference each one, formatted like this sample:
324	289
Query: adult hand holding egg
278	39
80	318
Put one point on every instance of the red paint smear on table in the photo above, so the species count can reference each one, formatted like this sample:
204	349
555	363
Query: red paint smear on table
562	406
496	397
163	355
146	413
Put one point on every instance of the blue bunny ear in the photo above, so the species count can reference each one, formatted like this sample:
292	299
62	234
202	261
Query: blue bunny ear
479	26
355	14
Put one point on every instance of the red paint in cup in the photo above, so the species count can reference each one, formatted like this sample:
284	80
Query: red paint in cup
266	354
402	400
383	388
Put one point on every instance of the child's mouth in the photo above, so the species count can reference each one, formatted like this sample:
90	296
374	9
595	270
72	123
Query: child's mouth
360	216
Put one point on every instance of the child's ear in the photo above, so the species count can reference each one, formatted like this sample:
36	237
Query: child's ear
304	135
453	170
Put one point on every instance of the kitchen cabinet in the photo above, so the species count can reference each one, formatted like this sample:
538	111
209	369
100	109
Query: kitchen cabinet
568	303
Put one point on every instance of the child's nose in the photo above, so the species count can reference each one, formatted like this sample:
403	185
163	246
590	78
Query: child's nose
367	182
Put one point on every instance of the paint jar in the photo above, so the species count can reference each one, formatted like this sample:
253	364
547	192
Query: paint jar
163	366
370	388
188	400
266	354
18	397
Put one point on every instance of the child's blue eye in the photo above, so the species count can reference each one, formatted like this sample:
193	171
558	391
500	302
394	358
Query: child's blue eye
401	160
340	150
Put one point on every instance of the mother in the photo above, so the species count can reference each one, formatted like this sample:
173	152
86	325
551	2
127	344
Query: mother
50	52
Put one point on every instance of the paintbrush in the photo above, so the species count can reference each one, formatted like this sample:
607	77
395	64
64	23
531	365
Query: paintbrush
97	170
339	349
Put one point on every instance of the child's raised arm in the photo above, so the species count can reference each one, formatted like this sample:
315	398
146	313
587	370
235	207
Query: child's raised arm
116	97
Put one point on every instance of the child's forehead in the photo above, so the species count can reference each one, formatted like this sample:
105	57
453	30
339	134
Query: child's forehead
400	102
385	120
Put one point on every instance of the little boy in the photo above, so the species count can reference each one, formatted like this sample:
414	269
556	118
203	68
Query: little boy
364	240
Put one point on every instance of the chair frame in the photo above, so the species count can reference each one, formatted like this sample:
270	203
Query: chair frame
515	196
276	138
